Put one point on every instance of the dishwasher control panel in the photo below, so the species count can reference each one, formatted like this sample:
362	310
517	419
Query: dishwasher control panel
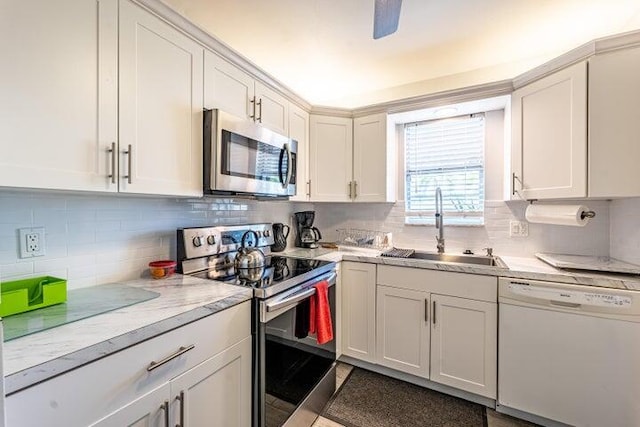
570	298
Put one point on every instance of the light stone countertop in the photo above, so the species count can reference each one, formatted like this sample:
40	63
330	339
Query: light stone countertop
518	267
183	299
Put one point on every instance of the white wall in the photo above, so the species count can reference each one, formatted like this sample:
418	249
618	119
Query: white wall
625	230
95	239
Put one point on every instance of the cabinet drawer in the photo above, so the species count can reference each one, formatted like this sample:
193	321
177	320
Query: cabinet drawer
471	286
91	392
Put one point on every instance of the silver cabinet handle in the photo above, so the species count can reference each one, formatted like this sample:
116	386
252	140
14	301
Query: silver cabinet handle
253	106
426	310
165	410
309	188
113	153
129	154
515	178
355	190
182	350
180	398
433	312
260	111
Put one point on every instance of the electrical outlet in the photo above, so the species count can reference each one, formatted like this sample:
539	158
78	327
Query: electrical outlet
31	242
518	229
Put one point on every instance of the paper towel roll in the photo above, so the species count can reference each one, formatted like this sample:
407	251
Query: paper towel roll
557	214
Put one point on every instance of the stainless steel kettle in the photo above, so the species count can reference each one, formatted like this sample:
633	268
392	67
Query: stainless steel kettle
249	262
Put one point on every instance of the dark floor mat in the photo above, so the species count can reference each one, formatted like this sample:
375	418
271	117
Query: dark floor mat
367	399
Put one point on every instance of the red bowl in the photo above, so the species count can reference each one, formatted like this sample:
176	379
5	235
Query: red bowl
161	269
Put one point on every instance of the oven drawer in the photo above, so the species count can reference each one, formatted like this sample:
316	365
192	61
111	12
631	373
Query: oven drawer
91	392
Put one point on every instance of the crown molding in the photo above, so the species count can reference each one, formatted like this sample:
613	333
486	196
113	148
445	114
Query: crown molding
435	99
182	23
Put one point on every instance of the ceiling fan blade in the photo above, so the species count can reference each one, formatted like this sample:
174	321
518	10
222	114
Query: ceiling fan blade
386	16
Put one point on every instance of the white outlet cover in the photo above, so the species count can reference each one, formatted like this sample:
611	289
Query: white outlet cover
22	243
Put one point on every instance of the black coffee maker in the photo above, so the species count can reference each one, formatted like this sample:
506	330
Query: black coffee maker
307	236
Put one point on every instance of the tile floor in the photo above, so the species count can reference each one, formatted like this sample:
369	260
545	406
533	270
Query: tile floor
494	419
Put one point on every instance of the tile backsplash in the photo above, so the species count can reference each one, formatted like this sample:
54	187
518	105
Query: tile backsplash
94	239
593	239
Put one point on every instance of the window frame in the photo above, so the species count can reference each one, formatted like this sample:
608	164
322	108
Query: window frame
451	217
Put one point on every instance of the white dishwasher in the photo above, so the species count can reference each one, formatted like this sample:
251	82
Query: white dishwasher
569	353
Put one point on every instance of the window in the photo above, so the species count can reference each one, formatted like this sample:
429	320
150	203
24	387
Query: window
449	154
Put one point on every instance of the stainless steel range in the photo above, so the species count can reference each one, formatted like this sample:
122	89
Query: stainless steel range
294	376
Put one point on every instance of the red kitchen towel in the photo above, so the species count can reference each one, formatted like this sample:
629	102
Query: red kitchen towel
320	314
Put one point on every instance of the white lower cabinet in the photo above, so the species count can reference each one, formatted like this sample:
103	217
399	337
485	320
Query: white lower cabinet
150	410
208	385
438	325
215	393
464	344
403	330
358	284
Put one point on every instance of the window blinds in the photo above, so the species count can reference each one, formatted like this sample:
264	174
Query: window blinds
449	154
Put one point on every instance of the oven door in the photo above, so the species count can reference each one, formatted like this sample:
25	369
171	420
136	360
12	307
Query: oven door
297	375
248	158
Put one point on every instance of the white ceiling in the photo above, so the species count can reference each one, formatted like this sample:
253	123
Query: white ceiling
324	49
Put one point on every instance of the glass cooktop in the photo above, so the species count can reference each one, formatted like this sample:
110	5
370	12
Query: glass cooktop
278	271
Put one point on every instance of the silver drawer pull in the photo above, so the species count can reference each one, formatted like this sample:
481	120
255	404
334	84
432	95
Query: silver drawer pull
182	350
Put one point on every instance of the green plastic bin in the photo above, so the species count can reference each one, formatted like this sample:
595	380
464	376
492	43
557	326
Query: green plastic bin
19	296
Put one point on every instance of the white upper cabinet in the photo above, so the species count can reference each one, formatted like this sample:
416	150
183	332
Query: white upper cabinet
351	159
330	158
299	132
101	96
160	106
549	136
59	93
272	109
230	89
373	160
614	128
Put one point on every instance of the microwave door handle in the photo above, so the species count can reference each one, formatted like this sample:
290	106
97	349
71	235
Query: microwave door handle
289	166
285	181
280	174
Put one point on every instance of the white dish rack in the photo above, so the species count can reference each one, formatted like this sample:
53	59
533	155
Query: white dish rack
367	239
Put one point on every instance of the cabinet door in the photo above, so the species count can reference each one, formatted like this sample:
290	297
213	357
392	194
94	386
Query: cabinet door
272	109
299	131
161	78
614	128
402	333
227	87
58	93
330	158
464	344
150	410
373	173
359	310
217	392
549	153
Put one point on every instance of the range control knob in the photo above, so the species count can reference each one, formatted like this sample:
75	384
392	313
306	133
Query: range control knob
259	234
211	239
197	241
266	233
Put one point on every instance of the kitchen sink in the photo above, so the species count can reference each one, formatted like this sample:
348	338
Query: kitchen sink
492	261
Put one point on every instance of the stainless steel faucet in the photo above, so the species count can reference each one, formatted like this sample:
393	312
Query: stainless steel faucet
439	223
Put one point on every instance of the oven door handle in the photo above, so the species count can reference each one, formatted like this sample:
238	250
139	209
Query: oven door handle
291	300
298	296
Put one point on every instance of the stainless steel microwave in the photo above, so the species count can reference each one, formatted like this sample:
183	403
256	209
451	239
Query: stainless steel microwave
242	157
